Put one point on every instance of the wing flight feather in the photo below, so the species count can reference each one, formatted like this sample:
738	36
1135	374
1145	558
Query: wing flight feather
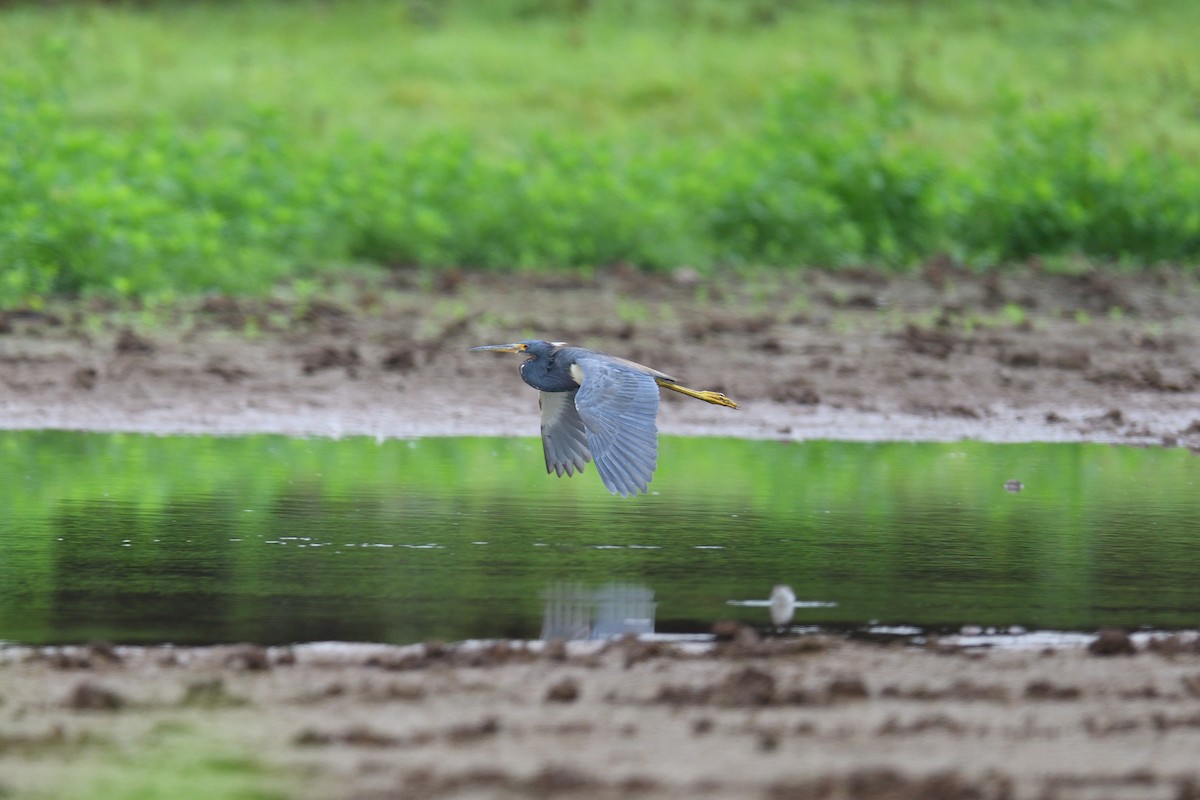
564	440
618	406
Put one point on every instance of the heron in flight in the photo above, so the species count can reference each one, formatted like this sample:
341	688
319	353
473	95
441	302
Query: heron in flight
598	407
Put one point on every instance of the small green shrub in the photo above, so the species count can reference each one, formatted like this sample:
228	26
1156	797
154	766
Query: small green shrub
820	184
1048	188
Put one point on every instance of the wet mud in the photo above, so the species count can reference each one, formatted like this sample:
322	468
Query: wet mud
807	717
941	355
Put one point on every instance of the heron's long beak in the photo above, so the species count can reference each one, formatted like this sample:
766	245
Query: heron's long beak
502	348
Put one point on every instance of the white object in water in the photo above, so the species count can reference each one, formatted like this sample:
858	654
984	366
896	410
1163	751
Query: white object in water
783	602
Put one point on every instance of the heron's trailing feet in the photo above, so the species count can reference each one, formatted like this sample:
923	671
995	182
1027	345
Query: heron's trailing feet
716	398
598	407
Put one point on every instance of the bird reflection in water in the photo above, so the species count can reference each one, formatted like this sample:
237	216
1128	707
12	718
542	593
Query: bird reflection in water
572	611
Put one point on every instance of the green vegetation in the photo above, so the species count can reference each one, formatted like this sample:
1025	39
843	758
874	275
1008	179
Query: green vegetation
185	147
173	761
180	778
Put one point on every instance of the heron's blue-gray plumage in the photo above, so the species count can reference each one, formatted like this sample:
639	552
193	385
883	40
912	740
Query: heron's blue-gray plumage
619	407
564	439
597	407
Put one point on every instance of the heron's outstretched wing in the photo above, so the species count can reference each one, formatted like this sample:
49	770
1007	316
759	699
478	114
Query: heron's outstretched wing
563	439
618	406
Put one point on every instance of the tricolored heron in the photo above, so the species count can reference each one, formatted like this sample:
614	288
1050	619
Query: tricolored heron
597	406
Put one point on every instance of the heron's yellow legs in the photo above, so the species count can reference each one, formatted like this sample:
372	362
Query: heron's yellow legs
716	398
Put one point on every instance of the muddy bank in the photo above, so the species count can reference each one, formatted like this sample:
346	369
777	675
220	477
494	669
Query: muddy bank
785	718
942	355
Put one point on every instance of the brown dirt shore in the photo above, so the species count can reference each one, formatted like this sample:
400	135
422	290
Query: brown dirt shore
806	717
940	356
945	354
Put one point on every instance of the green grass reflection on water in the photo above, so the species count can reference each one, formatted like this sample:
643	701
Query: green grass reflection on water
145	539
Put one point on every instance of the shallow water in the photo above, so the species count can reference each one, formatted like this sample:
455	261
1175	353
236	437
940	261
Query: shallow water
197	539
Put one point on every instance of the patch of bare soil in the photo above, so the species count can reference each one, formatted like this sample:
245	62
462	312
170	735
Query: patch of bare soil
808	717
943	355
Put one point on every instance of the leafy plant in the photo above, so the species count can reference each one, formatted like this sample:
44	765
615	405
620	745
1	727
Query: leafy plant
819	169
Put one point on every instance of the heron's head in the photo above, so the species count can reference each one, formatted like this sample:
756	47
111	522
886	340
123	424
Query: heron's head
534	348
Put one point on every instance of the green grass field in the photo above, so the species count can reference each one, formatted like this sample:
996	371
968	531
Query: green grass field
179	147
663	69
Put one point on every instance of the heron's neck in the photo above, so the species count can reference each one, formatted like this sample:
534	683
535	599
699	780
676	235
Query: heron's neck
547	374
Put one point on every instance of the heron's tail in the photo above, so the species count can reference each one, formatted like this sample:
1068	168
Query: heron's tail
716	398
